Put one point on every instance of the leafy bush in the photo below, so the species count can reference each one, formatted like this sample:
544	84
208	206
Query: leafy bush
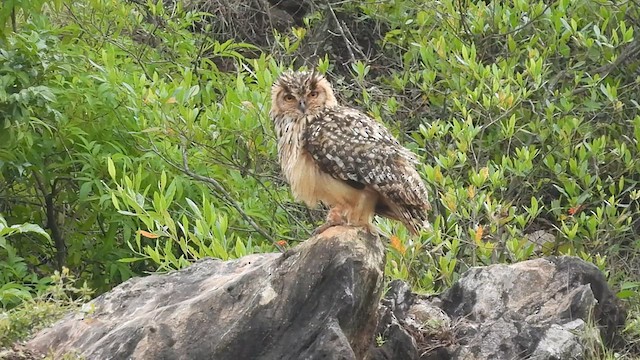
141	142
36	313
17	282
68	105
535	131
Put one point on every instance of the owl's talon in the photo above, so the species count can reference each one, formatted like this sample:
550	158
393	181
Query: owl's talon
320	229
371	229
335	217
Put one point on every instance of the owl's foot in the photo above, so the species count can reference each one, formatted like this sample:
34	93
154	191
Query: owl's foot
335	217
371	229
320	229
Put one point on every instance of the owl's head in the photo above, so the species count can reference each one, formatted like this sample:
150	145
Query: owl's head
302	93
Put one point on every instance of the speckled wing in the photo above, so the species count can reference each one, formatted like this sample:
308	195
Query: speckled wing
353	147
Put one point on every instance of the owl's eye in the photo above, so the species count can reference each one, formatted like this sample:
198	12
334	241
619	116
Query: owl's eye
313	94
289	97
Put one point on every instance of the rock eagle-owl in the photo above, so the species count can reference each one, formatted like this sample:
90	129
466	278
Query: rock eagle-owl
341	157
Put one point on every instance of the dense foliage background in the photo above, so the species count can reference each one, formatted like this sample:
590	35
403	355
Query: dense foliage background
134	136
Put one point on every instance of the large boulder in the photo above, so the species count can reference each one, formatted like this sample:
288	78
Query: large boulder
318	300
537	309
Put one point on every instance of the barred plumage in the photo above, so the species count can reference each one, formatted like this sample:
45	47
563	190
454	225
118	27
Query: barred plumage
342	157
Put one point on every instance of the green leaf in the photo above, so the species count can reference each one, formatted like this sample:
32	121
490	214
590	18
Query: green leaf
85	189
111	167
24	228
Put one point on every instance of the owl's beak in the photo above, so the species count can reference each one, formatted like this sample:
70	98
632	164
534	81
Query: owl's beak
302	106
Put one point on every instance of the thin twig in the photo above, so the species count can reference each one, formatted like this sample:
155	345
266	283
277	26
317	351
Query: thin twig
528	23
630	51
52	215
227	197
344	36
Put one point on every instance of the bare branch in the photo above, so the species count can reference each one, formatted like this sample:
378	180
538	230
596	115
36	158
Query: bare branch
343	34
52	224
226	196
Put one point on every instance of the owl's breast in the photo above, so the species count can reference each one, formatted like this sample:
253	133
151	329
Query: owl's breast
308	182
298	167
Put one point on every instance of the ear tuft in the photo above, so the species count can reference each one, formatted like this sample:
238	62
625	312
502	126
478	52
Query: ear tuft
314	78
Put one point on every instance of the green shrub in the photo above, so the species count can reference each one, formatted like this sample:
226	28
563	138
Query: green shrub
17	282
40	311
142	142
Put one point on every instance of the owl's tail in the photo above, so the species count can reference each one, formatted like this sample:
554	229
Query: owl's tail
414	218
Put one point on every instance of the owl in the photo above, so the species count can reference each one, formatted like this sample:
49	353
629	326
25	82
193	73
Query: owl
343	158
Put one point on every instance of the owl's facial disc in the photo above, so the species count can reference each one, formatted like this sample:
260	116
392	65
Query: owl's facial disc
312	100
294	102
301	102
301	94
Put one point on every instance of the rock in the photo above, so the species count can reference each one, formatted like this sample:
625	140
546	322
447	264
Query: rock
410	327
18	352
534	309
561	342
392	340
318	300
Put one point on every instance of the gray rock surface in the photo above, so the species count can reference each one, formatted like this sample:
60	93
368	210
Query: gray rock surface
534	309
321	300
318	300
